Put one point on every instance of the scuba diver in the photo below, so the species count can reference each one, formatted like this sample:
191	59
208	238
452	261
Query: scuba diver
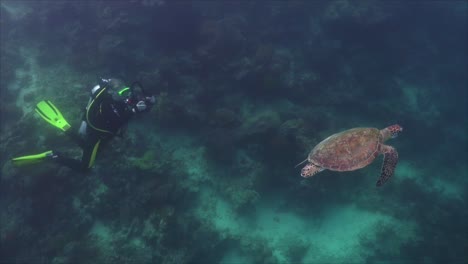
111	106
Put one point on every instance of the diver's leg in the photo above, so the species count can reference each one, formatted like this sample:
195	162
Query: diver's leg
75	137
90	151
90	147
73	164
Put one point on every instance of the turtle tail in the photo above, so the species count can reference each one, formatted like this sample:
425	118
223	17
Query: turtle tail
389	164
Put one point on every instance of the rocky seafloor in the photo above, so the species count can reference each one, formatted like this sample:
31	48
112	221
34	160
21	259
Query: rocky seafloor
245	90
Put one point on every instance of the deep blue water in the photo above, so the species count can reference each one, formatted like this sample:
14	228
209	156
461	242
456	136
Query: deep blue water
244	91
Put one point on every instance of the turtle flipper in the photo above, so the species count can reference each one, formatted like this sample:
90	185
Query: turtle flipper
389	163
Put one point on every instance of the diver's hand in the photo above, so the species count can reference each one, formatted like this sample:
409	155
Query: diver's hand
151	99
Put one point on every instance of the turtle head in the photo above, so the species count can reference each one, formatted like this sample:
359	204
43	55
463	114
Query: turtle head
310	170
392	131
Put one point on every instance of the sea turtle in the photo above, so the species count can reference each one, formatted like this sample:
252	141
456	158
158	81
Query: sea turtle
354	149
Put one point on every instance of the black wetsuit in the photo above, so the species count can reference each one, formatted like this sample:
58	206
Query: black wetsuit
104	117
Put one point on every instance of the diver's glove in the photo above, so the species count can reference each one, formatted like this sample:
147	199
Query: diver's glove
151	99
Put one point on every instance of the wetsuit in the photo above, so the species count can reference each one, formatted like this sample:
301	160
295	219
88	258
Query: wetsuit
104	118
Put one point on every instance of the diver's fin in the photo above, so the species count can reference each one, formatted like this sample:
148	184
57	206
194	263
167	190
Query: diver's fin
32	159
51	114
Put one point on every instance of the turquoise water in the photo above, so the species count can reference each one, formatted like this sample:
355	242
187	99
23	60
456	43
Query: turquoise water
245	91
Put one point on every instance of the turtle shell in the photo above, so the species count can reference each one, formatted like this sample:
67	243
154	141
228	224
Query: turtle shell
348	150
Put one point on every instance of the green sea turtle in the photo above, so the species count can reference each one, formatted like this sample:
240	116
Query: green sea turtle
354	149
